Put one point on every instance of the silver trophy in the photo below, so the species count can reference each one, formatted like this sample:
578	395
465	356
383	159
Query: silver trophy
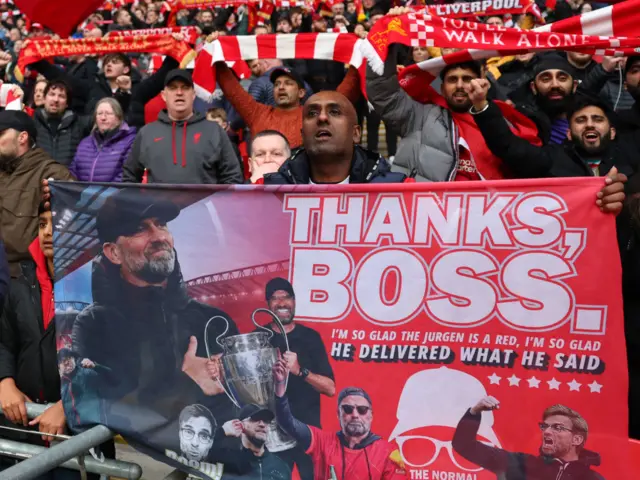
247	373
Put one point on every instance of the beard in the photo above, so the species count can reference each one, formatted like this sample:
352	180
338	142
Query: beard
589	151
355	429
152	269
634	92
8	163
258	441
554	108
458	107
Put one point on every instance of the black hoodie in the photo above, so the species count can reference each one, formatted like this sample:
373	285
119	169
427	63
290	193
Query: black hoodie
141	335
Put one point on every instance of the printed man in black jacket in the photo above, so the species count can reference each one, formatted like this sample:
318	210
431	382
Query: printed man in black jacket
562	453
591	148
142	325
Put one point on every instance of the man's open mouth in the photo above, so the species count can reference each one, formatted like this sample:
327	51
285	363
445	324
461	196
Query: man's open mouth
591	136
323	134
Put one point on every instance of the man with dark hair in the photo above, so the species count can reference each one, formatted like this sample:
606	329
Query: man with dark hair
330	135
22	169
311	374
562	452
269	150
590	148
342	451
629	120
137	289
197	428
59	129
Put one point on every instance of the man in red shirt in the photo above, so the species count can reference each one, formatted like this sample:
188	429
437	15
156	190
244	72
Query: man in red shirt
354	453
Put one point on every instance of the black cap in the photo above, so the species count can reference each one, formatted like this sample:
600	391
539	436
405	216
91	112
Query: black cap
178	74
353	391
553	62
123	212
19	121
280	71
256	412
631	61
276	284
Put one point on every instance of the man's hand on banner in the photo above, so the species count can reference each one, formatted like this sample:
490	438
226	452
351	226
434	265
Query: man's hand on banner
12	401
233	428
292	362
280	372
196	369
487	404
51	421
611	197
478	90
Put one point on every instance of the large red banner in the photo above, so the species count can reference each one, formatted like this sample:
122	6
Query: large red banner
483	320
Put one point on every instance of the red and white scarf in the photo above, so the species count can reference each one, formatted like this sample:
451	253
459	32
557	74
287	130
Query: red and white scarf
485	7
341	47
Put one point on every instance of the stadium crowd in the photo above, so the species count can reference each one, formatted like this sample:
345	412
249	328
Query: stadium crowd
136	118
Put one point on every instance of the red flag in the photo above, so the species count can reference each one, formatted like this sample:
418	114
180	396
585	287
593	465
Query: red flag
60	16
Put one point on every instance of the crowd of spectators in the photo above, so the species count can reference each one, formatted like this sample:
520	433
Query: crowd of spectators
116	118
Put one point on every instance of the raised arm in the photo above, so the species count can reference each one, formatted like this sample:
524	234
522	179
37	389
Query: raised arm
350	85
294	427
248	108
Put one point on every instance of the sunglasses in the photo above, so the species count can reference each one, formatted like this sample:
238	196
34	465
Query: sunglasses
348	409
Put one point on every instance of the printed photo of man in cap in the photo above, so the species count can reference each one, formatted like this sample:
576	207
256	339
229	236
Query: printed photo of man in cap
251	427
311	374
142	325
355	452
562	449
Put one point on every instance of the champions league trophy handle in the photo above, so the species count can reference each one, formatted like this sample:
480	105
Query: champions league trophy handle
225	388
276	320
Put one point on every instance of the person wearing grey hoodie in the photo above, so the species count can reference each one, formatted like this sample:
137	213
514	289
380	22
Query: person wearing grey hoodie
182	147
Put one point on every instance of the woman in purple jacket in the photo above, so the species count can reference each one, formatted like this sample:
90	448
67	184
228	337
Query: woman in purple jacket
100	156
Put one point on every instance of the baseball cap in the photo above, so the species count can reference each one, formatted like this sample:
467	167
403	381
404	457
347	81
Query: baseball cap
123	212
19	121
256	412
353	391
178	74
440	397
278	72
553	62
276	284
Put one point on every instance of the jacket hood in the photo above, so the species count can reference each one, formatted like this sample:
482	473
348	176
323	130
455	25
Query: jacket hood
68	117
368	440
586	458
182	125
30	160
124	131
108	287
38	256
163	117
364	166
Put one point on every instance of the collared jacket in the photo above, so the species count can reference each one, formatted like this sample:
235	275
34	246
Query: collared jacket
61	143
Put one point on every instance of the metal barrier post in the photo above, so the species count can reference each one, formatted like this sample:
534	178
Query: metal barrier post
58	454
110	468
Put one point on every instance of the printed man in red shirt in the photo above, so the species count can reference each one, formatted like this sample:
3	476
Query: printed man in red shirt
354	453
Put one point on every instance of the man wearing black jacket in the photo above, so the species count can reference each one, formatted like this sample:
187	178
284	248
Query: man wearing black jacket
142	325
562	453
591	147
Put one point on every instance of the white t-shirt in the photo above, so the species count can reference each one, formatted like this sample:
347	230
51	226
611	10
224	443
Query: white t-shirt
343	182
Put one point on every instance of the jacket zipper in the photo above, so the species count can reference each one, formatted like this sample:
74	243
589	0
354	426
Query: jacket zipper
454	149
95	162
260	465
563	467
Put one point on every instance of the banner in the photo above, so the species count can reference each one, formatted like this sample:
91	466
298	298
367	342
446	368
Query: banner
34	51
190	33
480	8
60	16
451	331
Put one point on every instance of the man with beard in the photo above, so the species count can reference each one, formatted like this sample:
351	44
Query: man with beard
330	134
629	120
591	146
562	452
354	453
432	147
553	88
22	169
252	429
308	362
142	325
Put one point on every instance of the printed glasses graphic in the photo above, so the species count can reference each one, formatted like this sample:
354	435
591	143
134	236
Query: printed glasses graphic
188	434
420	451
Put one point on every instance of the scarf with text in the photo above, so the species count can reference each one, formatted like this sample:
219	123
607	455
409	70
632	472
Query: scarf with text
34	51
190	33
485	8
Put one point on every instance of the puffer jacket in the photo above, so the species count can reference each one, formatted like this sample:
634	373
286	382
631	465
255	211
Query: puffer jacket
426	151
100	159
192	151
61	145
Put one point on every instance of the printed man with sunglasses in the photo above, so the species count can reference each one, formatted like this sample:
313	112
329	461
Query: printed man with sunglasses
354	453
562	454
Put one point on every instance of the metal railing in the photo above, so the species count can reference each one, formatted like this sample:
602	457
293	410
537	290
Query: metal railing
68	454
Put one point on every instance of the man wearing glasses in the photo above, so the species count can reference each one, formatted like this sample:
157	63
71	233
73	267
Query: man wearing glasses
562	453
308	363
354	453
